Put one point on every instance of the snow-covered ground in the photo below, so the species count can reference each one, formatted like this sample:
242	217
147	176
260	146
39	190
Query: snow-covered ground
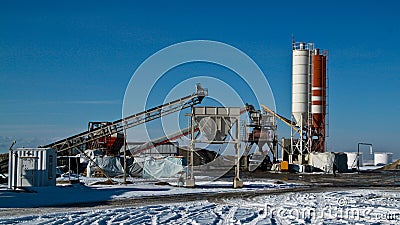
332	207
78	193
348	206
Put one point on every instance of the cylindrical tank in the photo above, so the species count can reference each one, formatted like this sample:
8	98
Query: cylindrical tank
352	159
300	82
324	82
382	158
317	97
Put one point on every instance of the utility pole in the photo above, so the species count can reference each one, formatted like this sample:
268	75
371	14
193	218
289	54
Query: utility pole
124	155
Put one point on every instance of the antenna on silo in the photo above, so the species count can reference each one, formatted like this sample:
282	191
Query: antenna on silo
292	41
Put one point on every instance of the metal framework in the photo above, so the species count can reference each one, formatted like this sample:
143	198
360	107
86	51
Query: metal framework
311	128
78	141
168	138
358	153
162	140
301	135
215	123
262	131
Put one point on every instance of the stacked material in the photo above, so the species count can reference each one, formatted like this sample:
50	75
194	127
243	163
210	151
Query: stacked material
393	166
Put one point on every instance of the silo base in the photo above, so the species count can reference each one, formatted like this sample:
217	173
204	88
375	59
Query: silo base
190	183
237	183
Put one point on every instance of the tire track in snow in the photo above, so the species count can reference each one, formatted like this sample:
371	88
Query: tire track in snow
230	218
229	210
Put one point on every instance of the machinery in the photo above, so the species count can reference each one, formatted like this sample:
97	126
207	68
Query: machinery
218	126
308	120
109	145
309	105
162	140
262	131
107	135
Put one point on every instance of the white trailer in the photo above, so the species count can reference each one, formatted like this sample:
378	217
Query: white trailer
32	167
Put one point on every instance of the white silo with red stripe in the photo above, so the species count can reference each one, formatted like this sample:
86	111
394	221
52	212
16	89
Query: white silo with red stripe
318	99
309	85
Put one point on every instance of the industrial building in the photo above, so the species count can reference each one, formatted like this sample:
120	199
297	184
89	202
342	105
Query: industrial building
105	148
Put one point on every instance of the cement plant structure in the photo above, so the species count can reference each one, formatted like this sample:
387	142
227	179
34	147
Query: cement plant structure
309	101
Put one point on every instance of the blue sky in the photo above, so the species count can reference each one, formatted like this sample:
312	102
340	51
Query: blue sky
63	64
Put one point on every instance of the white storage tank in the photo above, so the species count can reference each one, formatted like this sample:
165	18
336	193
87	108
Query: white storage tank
352	159
301	69
32	167
382	158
